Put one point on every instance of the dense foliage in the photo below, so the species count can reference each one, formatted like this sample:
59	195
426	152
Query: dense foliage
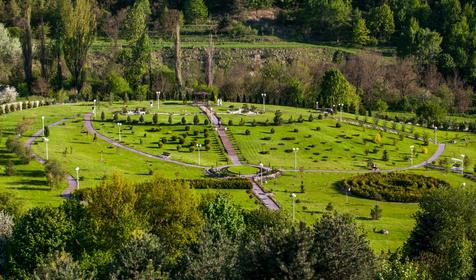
399	187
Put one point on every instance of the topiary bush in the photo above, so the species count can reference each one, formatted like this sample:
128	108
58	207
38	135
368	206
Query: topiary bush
394	186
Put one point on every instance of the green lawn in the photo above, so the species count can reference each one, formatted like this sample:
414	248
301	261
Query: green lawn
320	189
345	148
144	137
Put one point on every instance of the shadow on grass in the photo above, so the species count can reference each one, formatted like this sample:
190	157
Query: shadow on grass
363	218
28	188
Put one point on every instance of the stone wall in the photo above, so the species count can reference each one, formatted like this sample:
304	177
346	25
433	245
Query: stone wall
251	57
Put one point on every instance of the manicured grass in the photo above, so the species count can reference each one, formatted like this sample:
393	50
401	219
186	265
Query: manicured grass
320	189
346	148
146	137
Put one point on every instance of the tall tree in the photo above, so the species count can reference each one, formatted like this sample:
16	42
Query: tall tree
210	54
195	11
336	89
26	43
340	247
79	23
360	33
178	55
381	22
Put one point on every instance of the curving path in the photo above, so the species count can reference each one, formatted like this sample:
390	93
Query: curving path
90	128
72	184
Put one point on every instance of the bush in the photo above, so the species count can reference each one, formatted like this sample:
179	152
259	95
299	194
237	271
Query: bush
230	183
141	119
338	125
296	130
376	213
184	121
230	122
206	122
187	128
247	132
10	168
397	187
196	120
55	173
272	131
155	118
103	116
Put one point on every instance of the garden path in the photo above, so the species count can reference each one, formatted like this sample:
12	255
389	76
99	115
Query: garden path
90	128
72	184
223	136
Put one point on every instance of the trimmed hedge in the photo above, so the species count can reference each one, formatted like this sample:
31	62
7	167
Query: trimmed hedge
229	183
396	187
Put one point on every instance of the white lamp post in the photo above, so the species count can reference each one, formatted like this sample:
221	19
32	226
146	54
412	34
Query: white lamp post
77	177
261	172
264	101
317	105
462	164
411	154
293	197
341	108
295	150
94	108
347	191
43	122
198	147
46	147
158	99
436	135
119	127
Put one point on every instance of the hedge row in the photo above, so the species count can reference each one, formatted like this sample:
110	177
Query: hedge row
397	187
230	183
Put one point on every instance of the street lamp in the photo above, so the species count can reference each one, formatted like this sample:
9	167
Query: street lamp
411	154
347	191
119	127
261	172
341	107
77	177
94	108
43	122
293	197
462	164
295	150
436	135
46	148
198	147
158	99
264	101
317	105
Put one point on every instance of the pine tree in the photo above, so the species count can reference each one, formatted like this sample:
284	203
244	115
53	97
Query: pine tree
195	11
360	33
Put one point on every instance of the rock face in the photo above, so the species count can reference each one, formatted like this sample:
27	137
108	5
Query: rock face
253	58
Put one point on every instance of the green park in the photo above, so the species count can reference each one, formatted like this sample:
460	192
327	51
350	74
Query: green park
241	139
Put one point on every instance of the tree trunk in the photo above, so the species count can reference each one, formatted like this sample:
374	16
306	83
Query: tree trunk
178	56
59	69
43	58
210	54
26	46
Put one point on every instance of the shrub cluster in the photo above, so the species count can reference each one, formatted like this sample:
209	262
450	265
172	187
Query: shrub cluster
231	183
398	187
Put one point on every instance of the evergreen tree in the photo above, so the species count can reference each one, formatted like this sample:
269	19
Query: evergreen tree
360	33
195	11
381	22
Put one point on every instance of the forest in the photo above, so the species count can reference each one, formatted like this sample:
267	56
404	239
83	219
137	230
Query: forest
47	51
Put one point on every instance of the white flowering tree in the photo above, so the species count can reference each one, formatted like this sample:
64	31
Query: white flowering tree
7	94
6	229
10	53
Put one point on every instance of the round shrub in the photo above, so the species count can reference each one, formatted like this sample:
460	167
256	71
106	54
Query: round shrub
394	186
247	132
272	131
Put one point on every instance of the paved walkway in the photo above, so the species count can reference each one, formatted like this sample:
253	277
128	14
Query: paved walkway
223	136
90	128
72	184
260	193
